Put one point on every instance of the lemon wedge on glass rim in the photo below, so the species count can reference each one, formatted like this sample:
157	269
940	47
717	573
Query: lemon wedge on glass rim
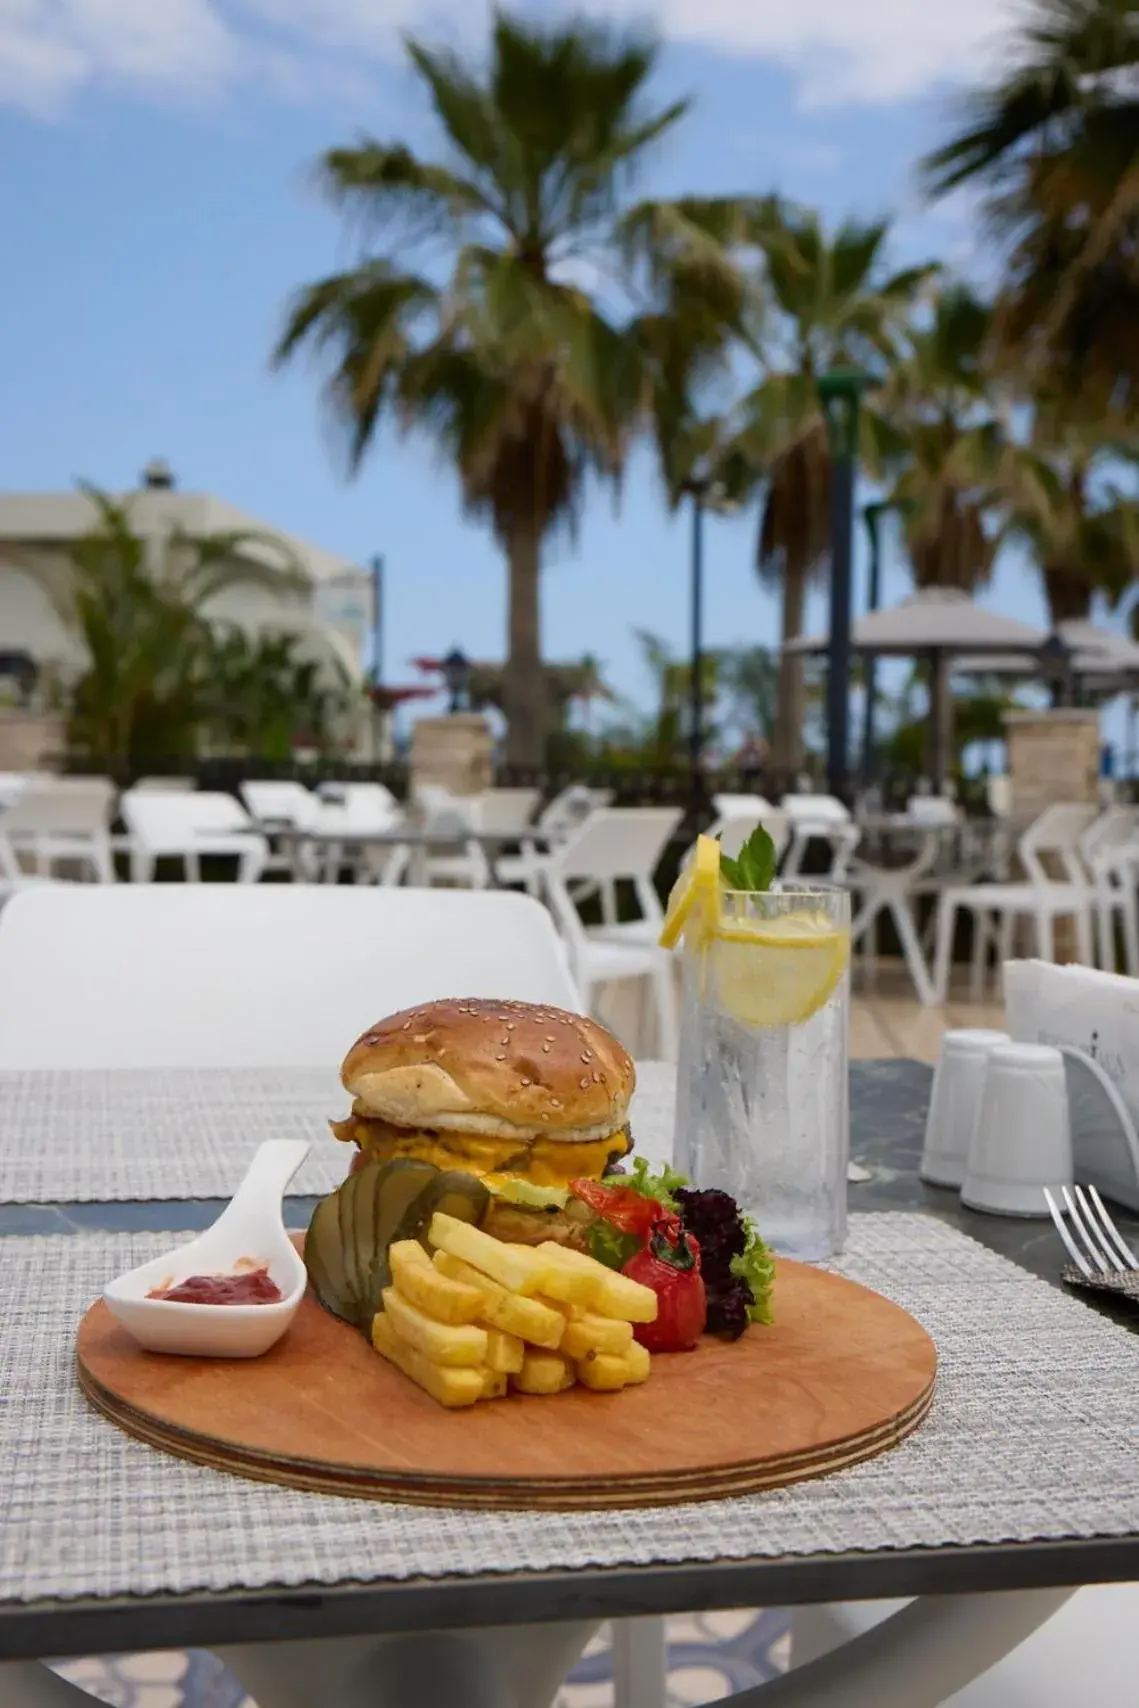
695	896
778	971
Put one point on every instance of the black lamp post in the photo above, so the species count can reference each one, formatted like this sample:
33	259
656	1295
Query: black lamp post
697	489
872	515
457	675
378	619
840	393
1056	658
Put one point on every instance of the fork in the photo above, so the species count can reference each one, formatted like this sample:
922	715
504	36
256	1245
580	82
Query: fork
1093	1242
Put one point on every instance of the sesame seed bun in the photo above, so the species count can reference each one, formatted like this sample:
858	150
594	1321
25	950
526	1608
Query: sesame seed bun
500	1070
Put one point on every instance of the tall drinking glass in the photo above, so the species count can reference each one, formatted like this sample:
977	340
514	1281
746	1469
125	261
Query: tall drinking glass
762	1099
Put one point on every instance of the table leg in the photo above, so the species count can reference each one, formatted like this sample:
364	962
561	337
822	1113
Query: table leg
918	1658
519	1666
640	1663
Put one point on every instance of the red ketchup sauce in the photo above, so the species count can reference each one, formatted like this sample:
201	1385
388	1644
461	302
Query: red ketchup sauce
252	1287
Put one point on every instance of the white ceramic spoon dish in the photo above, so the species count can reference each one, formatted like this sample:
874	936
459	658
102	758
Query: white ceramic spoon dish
251	1227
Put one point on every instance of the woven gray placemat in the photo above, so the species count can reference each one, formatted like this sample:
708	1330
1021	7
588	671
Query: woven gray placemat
1032	1435
86	1137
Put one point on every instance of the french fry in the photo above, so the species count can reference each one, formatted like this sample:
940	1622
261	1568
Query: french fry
450	1387
604	1374
589	1333
543	1373
611	1295
625	1299
608	1373
526	1319
570	1277
638	1361
515	1267
420	1283
458	1346
504	1352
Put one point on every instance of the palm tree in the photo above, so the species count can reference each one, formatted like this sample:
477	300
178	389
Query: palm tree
1081	529
830	302
1055	143
138	606
268	694
952	445
471	323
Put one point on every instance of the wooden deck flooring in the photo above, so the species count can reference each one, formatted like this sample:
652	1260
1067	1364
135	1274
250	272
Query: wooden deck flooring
888	1020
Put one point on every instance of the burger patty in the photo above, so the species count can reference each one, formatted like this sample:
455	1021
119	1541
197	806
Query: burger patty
545	1161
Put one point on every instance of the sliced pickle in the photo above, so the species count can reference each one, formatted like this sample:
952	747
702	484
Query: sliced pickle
324	1260
364	1218
463	1196
403	1189
346	1201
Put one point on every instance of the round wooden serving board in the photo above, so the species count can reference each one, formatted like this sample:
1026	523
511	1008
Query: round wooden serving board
841	1375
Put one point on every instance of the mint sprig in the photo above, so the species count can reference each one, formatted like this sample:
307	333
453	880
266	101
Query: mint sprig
754	866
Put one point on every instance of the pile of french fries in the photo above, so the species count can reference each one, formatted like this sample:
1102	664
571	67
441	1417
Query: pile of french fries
480	1316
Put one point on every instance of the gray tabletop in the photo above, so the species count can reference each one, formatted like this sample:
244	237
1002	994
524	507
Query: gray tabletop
888	1107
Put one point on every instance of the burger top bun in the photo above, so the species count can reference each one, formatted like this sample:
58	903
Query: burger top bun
503	1069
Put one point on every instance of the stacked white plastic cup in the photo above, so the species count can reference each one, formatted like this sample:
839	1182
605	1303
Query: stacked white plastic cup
954	1103
1022	1140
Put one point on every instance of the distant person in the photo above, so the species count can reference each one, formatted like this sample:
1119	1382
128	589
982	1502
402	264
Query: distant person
751	757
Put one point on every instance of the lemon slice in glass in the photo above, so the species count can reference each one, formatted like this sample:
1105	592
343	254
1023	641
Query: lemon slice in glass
780	971
698	887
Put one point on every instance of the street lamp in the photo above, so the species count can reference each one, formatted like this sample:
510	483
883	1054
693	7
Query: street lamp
704	493
840	393
456	669
1056	660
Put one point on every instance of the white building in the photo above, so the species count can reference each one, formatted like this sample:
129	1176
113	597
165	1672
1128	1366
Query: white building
333	615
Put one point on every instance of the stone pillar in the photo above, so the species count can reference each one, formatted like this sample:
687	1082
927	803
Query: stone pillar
456	753
1052	756
30	741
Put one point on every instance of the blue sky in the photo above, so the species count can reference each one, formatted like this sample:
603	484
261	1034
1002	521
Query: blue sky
156	216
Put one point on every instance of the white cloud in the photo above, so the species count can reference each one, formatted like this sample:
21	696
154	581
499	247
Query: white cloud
49	48
837	51
850	50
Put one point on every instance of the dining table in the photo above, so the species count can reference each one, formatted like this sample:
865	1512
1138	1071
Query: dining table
333	847
1024	1479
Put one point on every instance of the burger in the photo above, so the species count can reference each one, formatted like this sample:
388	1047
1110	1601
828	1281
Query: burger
525	1096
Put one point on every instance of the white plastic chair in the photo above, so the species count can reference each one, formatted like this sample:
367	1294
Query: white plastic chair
273	801
739	806
164	785
615	844
560	819
568	811
892	890
359	806
213	975
819	818
1110	850
505	812
186	826
933	810
62	818
733	827
510	813
280	802
1040	900
448	816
